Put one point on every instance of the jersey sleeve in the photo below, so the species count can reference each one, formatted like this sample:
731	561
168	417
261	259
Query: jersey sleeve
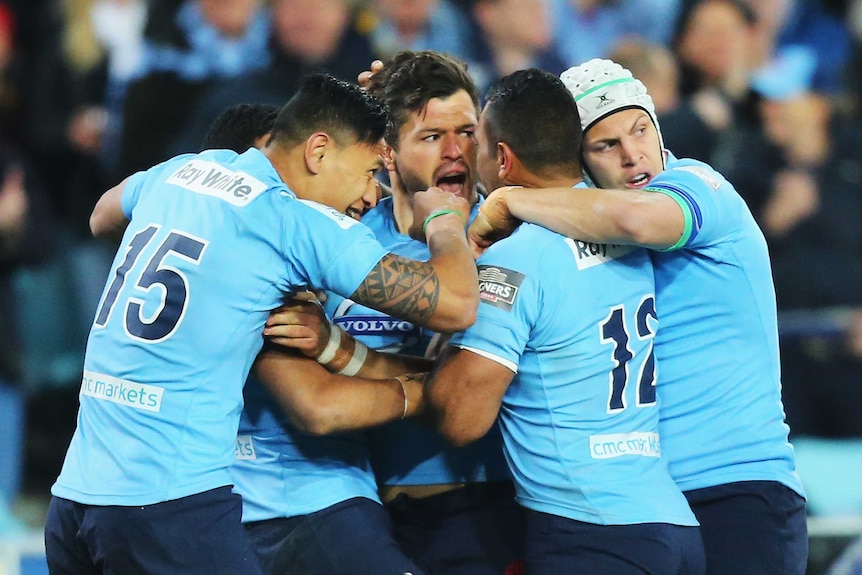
132	192
697	189
333	251
509	302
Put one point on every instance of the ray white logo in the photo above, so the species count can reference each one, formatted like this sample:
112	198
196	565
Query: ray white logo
589	254
211	179
499	286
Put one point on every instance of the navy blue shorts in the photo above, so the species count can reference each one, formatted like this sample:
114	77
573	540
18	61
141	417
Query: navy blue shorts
353	537
200	534
558	545
477	529
752	528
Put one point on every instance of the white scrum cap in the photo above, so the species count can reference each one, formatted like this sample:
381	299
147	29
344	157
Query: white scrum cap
602	87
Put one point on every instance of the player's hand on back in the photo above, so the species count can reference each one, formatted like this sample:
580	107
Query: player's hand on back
434	206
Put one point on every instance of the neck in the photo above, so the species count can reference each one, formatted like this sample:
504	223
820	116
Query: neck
289	164
531	180
402	208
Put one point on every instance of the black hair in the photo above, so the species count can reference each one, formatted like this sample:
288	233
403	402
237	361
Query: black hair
534	113
410	79
238	127
324	103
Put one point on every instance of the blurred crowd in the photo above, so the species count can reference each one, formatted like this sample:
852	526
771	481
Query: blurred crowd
767	91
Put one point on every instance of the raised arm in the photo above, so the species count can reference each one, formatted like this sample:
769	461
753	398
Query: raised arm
442	293
634	217
108	219
319	402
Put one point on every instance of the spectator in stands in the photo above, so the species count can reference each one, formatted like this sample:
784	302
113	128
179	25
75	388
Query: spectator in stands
717	44
803	175
585	29
512	35
26	238
852	76
437	25
206	41
307	36
90	50
691	126
817	26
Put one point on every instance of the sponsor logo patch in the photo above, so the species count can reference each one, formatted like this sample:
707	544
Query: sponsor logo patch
343	220
499	286
589	254
211	179
382	325
704	174
121	391
611	445
245	447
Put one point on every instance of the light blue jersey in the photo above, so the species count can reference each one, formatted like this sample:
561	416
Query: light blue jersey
282	472
722	418
409	452
214	243
576	322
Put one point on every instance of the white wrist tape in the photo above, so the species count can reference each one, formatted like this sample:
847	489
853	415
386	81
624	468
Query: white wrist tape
328	353
356	362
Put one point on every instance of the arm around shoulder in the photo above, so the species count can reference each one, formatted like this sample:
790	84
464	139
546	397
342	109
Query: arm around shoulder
632	217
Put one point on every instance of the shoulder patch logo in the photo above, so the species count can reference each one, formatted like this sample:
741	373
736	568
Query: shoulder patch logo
711	178
499	286
343	220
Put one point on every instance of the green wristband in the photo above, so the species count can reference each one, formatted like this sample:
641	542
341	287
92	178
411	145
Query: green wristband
437	214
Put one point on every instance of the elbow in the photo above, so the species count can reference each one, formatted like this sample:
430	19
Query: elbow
460	436
316	420
102	228
466	313
458	431
459	315
96	225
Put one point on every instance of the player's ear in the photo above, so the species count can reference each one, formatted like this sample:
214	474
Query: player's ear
316	147
505	160
389	155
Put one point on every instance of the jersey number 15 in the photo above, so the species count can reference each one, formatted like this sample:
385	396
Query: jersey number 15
156	274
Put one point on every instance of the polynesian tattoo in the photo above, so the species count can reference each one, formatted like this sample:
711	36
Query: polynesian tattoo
401	287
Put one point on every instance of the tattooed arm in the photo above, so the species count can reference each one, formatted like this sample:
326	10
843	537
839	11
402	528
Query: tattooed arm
441	294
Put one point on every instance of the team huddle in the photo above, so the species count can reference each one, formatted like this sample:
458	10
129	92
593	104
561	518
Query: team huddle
574	371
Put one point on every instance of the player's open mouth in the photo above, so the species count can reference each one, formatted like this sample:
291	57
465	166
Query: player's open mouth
453	183
354	213
639	181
